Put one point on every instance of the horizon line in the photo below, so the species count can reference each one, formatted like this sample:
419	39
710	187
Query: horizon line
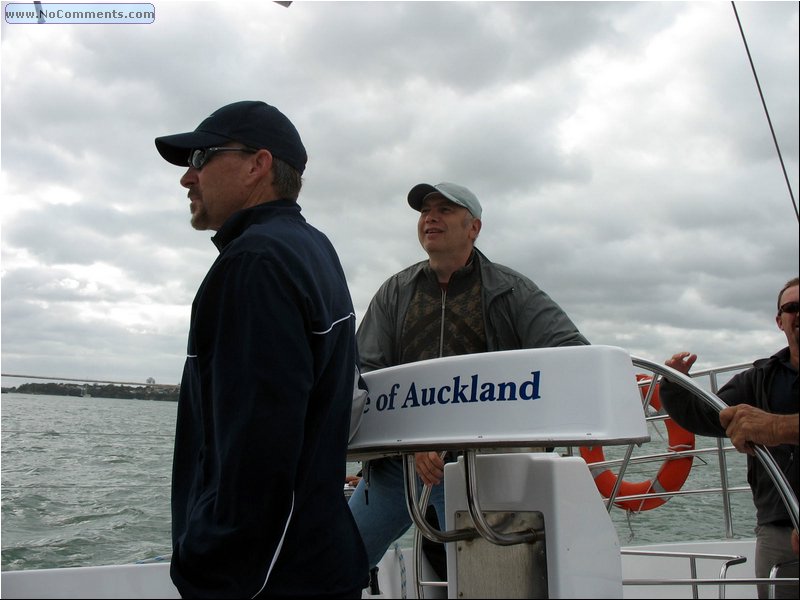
86	380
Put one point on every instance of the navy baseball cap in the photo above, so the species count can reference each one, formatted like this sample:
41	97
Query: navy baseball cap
452	191
255	124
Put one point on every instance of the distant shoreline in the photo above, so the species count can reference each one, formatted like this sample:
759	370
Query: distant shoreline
127	392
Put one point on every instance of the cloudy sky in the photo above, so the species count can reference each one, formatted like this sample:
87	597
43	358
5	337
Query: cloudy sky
620	150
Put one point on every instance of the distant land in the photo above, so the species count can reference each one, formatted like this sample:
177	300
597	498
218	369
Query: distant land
166	393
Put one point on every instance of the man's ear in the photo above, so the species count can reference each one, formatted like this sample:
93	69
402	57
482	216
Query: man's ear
476	227
262	162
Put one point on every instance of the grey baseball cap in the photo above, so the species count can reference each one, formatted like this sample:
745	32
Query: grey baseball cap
452	191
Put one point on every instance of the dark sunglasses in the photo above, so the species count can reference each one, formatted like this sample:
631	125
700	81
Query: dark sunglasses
198	158
790	307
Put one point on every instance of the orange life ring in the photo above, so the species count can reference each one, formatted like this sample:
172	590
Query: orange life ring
670	477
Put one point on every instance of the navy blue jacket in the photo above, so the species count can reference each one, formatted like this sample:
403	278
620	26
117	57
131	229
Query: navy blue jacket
263	418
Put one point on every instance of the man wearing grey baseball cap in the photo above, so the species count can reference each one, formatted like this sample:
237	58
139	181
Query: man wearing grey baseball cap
457	194
455	302
265	400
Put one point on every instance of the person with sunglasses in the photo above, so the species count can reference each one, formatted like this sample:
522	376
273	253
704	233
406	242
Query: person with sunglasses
763	409
268	383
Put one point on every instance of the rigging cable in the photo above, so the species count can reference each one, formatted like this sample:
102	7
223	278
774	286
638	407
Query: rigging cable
766	112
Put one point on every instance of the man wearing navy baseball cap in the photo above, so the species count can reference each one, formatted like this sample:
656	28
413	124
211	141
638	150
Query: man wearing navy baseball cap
232	137
455	302
267	388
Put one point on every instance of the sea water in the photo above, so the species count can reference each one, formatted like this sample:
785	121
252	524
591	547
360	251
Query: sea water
86	481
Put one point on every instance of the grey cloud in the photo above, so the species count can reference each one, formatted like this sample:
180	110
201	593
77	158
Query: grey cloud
661	222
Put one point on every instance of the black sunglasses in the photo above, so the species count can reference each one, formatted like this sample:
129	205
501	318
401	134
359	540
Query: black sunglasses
199	157
790	307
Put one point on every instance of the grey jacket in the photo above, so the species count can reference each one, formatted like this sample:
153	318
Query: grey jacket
516	312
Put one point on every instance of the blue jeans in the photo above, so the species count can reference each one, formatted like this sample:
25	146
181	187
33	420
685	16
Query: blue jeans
379	508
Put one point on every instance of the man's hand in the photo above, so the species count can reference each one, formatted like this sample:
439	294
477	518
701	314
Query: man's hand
429	467
746	425
682	361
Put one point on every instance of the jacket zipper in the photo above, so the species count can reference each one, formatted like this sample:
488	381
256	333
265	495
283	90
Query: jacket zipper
441	324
